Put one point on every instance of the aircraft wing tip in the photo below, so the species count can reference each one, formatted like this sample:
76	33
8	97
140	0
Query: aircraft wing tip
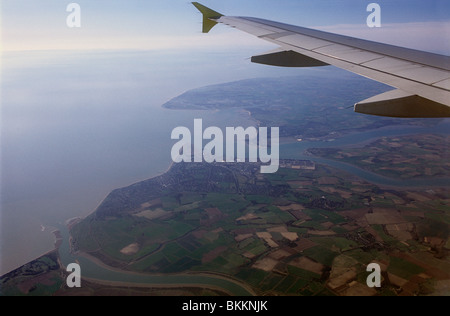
209	16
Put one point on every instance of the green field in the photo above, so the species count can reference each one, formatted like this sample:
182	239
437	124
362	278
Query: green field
253	233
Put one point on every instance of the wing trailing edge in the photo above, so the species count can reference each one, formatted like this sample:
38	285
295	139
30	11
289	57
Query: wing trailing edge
398	103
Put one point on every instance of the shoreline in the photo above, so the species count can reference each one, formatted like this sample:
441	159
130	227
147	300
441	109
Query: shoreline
69	223
56	245
73	221
125	186
287	140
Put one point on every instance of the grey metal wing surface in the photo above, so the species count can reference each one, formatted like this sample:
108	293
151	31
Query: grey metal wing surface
421	79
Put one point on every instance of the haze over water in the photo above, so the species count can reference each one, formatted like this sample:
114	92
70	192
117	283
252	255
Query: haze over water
76	125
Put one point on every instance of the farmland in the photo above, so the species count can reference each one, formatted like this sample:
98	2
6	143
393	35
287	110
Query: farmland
312	236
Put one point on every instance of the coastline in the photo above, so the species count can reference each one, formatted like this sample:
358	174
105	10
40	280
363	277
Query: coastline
75	220
125	186
57	243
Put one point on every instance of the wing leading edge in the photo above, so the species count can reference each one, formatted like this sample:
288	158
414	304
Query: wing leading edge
422	79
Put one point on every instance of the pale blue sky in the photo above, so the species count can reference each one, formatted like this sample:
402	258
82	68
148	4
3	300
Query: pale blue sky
152	24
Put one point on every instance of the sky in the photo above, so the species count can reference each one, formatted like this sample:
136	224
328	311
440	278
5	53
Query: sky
175	24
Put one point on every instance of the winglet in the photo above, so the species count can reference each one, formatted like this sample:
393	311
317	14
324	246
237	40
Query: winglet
208	16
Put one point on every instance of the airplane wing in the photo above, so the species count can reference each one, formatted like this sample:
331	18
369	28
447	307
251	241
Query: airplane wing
421	79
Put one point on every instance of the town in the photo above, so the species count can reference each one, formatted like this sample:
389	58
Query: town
235	138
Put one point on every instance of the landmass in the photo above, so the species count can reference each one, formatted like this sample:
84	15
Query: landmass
297	106
307	230
301	231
